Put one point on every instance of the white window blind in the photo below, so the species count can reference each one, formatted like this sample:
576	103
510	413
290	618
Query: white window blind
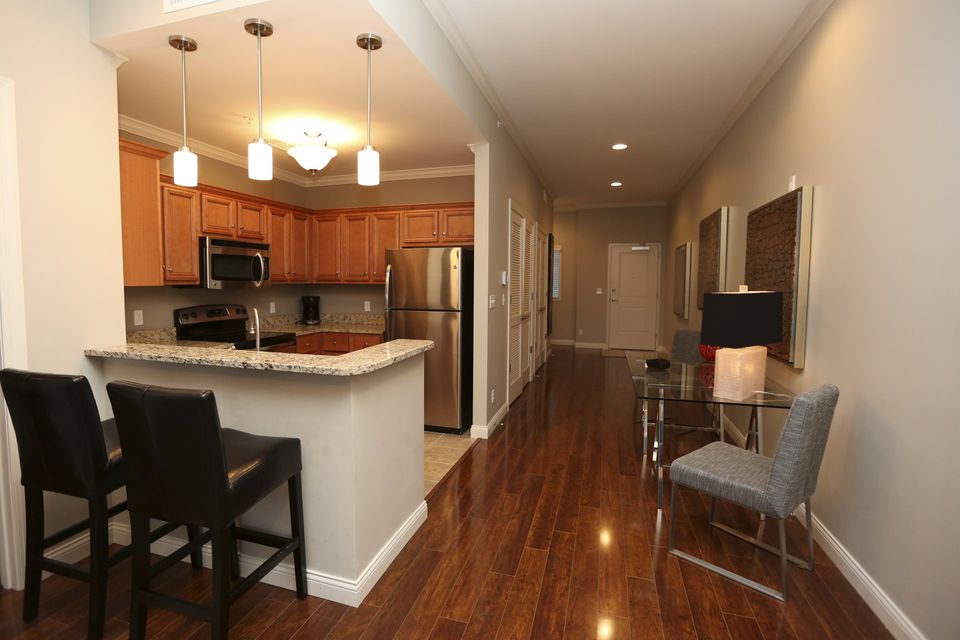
555	270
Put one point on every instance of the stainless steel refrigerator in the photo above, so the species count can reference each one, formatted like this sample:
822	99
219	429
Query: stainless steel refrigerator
429	296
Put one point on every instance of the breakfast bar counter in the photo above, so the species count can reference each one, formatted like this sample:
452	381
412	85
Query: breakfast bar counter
359	417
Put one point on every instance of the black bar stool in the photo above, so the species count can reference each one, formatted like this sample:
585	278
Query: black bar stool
65	448
184	467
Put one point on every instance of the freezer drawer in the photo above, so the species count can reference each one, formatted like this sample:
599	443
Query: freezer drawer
443	383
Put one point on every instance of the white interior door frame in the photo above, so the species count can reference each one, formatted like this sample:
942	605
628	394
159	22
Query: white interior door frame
610	248
530	259
13	340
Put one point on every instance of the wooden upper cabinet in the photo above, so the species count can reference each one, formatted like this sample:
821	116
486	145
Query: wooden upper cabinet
355	247
218	215
181	226
326	248
420	227
386	235
251	221
279	268
141	216
298	247
456	226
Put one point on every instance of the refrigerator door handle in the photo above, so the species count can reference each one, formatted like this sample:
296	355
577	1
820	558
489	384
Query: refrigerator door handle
386	297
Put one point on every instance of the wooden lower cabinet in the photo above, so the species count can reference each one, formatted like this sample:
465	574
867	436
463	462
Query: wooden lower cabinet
364	340
309	343
181	225
335	344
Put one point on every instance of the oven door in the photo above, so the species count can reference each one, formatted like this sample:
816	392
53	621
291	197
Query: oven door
227	264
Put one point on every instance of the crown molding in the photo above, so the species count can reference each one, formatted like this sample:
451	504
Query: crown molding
172	138
449	28
585	206
804	23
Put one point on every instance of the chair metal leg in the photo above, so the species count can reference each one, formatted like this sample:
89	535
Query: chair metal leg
783	557
220	605
809	530
140	534
99	547
33	499
673	515
295	491
196	556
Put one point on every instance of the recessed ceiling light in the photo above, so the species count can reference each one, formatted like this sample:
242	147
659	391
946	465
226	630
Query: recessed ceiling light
619	146
616	183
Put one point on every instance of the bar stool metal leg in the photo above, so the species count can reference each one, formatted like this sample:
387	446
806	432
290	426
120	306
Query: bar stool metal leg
296	531
34	543
783	558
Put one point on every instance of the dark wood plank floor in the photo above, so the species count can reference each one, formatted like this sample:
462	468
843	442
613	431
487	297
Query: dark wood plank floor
549	529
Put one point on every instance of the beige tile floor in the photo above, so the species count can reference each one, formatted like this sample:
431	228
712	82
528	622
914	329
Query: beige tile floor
440	452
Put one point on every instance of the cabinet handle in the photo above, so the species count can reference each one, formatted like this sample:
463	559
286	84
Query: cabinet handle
241	227
434	233
170	269
231	225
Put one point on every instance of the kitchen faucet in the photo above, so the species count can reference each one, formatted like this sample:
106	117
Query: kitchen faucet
256	328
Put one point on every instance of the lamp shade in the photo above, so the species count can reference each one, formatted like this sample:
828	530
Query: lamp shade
312	157
368	167
259	160
742	319
185	168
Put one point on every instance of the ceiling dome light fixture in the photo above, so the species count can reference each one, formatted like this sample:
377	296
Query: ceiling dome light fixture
259	153
184	160
616	183
368	159
313	156
619	146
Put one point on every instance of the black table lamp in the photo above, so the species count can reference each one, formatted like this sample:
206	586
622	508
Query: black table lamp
741	323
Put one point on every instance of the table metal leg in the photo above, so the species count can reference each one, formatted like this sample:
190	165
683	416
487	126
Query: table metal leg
646	424
659	455
759	430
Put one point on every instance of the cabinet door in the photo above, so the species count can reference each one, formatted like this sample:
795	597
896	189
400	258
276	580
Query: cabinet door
456	226
279	267
218	215
335	342
298	256
364	340
141	217
355	247
251	221
386	235
181	225
421	227
309	343
326	248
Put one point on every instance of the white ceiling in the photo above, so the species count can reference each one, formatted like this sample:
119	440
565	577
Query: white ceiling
314	75
574	77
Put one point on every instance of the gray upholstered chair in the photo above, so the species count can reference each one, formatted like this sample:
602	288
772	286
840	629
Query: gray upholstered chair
774	487
686	346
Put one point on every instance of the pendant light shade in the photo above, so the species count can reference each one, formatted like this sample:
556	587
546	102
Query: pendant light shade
313	156
368	158
184	160
259	153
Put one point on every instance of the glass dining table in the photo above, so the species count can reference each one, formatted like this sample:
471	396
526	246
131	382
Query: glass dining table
692	383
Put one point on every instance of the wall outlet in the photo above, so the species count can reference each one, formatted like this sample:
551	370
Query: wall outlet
793	183
366	305
599	291
137	317
579	332
493	395
273	307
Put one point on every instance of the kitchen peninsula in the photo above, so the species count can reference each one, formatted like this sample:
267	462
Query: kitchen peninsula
359	417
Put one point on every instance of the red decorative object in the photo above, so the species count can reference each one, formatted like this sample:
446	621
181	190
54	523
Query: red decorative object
708	352
706	373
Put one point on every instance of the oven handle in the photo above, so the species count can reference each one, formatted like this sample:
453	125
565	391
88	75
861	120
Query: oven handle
263	269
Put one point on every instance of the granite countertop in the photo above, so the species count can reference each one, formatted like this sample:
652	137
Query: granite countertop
349	364
329	323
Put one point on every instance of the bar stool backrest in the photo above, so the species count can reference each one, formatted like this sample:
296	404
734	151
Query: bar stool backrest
173	450
59	435
796	464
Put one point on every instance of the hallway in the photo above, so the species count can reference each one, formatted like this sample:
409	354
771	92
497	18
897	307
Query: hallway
549	529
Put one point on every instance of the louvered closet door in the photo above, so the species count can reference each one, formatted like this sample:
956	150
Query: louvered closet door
517	224
540	346
529	299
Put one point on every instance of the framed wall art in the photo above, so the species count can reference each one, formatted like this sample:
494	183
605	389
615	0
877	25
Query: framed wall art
778	259
712	254
681	280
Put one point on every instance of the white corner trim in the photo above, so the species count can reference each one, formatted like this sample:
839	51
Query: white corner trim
486	430
322	585
153	132
892	617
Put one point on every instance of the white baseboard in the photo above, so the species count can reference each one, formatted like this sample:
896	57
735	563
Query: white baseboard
486	430
70	551
562	342
342	590
589	345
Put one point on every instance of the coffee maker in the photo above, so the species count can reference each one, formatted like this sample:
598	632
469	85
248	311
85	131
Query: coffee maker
310	309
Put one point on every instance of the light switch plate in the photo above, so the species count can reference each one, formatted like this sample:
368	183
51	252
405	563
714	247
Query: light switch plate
503	299
493	301
599	291
137	317
366	305
273	307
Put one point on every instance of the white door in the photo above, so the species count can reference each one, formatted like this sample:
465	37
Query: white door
530	298
633	283
517	296
540	347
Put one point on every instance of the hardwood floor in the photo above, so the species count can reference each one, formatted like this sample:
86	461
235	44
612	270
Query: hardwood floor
549	529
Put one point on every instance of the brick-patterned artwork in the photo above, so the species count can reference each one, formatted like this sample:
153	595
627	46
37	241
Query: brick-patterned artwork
773	252
681	281
711	251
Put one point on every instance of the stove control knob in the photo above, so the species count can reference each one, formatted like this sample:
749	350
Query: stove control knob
193	314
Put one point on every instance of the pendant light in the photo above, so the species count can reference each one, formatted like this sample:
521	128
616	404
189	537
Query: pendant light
259	153
184	160
313	156
368	159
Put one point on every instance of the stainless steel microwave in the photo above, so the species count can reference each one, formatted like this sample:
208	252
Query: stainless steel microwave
229	264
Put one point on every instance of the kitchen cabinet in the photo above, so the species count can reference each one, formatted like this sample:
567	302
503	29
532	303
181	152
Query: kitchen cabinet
141	215
218	215
355	247
386	235
251	221
279	270
309	343
420	227
325	235
456	226
364	340
181	226
334	343
289	246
